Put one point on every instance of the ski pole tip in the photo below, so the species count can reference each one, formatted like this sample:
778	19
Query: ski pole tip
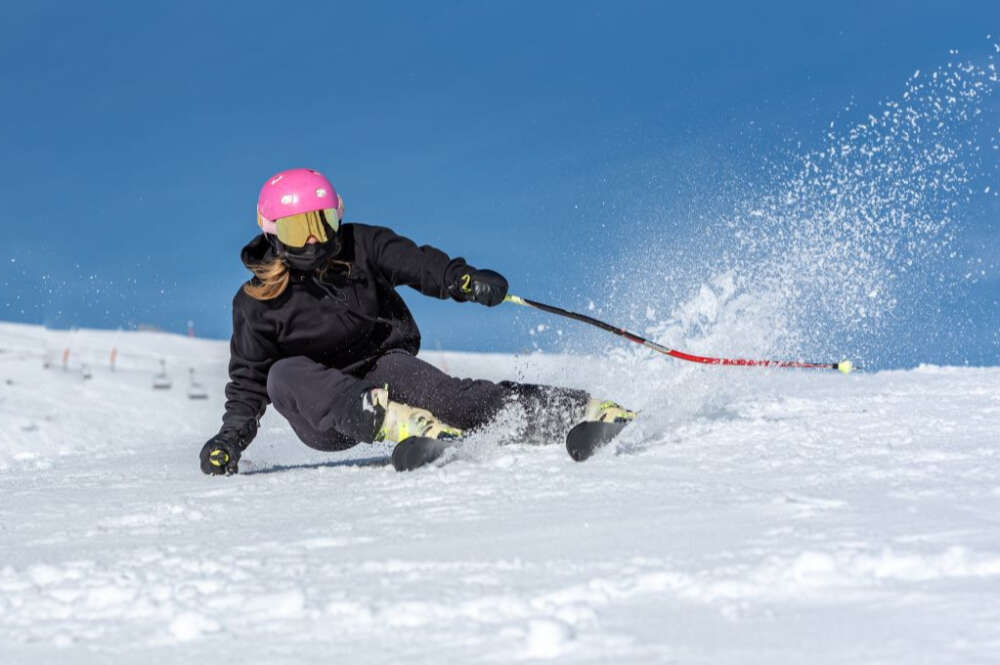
845	367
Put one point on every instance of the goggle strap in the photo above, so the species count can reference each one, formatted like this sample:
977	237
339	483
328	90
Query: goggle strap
335	224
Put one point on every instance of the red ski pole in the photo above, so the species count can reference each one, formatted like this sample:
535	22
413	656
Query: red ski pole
844	366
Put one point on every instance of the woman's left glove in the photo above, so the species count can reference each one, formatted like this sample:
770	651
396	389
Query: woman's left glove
221	455
485	287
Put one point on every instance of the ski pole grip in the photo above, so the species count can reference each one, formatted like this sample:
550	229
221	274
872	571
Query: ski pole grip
517	300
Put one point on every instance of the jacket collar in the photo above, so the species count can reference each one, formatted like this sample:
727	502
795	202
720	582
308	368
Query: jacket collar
257	251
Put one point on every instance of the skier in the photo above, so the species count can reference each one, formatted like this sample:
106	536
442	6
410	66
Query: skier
320	332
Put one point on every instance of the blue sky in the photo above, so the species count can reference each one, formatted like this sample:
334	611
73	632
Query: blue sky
552	141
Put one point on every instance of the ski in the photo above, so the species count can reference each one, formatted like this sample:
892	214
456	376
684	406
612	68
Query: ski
581	442
416	451
587	437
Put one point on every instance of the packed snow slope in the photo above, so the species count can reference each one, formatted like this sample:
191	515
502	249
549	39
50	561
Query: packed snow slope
747	516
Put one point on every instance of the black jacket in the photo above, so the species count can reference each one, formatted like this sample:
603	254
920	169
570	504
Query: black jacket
343	317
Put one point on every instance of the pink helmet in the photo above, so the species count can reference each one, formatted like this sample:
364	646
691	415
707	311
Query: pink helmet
295	191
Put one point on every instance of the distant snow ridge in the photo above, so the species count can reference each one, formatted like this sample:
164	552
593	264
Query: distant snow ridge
849	235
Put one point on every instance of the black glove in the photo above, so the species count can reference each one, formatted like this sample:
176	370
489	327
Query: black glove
482	286
221	455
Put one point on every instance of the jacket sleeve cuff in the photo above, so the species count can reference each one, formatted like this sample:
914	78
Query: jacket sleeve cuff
242	434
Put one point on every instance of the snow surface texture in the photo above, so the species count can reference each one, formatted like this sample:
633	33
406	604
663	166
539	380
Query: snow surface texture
748	516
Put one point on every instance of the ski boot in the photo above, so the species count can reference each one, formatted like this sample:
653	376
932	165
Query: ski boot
401	421
602	421
603	411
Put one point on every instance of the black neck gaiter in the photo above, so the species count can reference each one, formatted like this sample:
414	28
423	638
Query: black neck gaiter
308	258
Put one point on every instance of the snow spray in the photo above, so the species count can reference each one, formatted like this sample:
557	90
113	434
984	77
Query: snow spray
840	249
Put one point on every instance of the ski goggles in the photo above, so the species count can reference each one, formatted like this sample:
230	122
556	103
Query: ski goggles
294	230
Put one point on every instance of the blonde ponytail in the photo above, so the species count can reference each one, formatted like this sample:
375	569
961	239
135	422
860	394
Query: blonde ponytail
270	280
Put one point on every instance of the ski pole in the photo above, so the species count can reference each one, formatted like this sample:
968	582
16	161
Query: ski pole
844	366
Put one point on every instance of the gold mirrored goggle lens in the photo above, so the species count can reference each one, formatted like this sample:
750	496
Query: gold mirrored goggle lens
295	230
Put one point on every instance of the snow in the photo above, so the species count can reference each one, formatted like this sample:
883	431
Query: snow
748	516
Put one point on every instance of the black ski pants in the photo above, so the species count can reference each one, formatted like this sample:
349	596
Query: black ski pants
324	405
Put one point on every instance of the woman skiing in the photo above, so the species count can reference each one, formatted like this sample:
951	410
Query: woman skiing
320	332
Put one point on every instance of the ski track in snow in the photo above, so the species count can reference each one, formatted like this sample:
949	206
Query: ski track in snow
748	516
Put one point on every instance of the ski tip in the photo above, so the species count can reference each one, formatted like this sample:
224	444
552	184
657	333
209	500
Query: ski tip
845	367
579	453
586	437
416	451
399	454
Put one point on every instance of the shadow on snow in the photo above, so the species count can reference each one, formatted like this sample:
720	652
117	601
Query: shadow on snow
382	460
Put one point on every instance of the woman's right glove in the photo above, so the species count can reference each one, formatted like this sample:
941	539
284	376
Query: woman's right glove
485	287
221	455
